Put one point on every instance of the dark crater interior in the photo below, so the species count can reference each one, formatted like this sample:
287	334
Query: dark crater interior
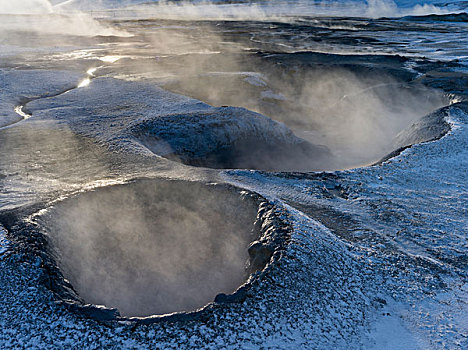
153	247
232	138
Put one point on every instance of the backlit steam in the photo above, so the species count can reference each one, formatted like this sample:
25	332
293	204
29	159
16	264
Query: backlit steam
153	247
41	17
353	110
355	116
22	7
355	113
251	10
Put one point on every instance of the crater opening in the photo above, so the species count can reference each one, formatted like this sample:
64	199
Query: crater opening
232	138
344	117
153	247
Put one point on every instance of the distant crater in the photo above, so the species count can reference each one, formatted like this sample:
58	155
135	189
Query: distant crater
233	138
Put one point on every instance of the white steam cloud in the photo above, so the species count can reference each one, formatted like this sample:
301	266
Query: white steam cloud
153	247
278	10
75	17
41	17
22	7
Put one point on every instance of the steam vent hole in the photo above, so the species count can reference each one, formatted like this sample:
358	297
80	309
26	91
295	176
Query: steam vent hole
153	247
230	138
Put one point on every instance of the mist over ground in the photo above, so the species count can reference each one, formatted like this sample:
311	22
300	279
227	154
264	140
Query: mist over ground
352	111
135	136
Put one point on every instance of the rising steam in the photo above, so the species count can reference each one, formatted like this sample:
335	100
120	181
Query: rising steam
153	247
40	16
253	10
354	111
75	17
23	7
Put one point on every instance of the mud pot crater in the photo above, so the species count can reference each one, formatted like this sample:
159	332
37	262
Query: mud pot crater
154	247
230	138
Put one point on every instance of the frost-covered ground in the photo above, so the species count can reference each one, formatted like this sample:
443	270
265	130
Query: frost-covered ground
376	256
376	252
392	218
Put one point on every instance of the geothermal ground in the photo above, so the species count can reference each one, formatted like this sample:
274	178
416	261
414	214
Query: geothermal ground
234	177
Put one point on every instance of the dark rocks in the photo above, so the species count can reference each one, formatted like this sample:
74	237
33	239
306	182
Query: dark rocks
232	138
96	312
238	297
260	255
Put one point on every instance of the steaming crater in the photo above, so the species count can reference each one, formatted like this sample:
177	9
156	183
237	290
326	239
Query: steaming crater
153	247
228	137
180	128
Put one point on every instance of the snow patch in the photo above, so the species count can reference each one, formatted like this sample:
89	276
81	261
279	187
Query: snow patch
390	332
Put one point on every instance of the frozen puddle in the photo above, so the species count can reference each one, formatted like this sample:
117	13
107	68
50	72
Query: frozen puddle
19	110
153	247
